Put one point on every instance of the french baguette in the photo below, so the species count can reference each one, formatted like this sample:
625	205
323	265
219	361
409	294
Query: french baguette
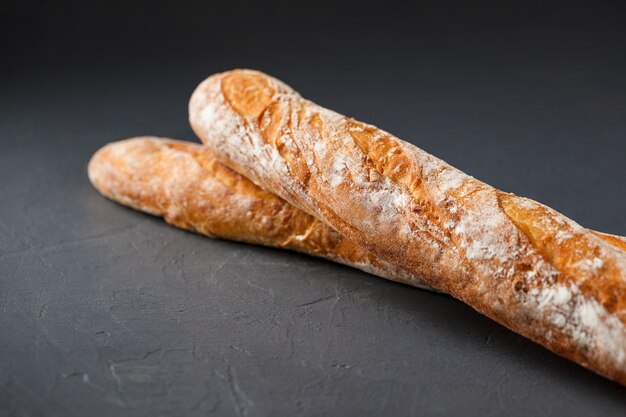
192	190
517	261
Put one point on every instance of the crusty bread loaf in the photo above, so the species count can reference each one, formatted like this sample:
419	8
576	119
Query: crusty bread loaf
513	259
192	190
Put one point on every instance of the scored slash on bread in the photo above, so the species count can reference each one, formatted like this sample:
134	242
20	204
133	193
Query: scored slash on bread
515	260
191	189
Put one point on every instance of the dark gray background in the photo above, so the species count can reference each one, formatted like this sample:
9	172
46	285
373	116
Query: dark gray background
106	311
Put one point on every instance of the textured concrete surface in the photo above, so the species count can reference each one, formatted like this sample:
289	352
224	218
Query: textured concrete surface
106	311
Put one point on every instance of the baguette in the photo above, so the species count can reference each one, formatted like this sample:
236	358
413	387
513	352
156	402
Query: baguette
192	190
517	261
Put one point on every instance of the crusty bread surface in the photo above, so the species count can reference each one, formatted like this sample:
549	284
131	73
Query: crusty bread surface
515	260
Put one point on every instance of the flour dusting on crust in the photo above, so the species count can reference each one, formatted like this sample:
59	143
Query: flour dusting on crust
513	259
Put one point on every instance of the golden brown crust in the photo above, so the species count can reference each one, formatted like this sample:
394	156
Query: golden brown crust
192	190
617	241
513	259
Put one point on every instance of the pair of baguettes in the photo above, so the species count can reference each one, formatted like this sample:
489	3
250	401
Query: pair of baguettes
279	170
